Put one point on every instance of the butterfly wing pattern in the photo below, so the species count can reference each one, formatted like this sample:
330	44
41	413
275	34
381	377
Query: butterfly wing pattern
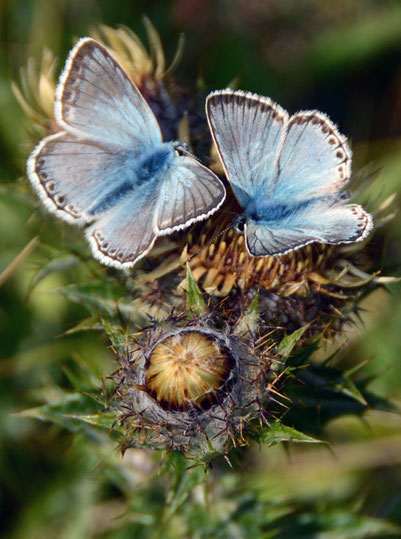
287	173
109	168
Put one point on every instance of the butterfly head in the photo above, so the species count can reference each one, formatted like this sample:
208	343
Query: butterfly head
238	224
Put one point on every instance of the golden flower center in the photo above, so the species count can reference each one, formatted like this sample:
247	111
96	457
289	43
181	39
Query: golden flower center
186	368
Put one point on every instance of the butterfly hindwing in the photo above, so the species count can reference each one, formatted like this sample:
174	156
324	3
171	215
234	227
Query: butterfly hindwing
188	193
72	175
337	224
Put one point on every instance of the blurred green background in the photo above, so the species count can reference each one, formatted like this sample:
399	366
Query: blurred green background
343	58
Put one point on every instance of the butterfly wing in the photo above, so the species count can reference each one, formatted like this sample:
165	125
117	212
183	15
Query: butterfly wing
73	175
337	224
97	99
126	233
189	192
314	160
248	131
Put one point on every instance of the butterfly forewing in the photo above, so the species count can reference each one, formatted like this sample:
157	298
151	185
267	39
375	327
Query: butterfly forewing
248	131
314	160
96	98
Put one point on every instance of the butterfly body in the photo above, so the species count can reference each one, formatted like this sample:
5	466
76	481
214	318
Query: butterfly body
153	164
287	173
109	168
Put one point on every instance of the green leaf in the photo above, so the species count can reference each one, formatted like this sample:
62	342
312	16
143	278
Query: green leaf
287	344
185	481
103	420
248	321
118	335
195	301
89	324
55	265
347	386
98	297
72	410
277	432
81	377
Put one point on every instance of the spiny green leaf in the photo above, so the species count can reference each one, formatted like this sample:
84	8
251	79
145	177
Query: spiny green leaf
81	377
287	344
99	297
89	324
195	301
103	420
347	386
55	265
356	368
184	483
248	321
117	335
277	432
63	412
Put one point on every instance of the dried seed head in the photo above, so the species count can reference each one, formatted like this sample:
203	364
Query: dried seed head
225	265
195	389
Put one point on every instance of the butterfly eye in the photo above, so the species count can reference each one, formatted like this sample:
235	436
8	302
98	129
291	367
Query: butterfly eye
182	148
239	225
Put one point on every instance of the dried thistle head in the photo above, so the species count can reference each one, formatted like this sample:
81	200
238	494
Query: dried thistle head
35	93
190	387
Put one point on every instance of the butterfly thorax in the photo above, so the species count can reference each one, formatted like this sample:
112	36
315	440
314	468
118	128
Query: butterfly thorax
134	172
153	163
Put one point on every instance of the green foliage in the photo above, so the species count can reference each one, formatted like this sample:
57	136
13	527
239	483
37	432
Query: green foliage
278	432
195	301
287	344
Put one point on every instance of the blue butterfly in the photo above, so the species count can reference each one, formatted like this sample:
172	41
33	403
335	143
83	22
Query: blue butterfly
287	173
109	166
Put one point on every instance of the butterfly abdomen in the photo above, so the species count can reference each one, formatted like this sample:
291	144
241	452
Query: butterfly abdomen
112	197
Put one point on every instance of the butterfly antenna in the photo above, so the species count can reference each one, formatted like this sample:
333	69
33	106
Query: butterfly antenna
210	242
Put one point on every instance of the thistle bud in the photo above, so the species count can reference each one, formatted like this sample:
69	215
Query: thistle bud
194	389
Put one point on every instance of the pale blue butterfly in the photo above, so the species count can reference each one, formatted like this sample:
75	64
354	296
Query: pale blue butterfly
287	173
109	166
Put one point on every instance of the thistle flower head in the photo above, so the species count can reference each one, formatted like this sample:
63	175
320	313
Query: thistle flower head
194	388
